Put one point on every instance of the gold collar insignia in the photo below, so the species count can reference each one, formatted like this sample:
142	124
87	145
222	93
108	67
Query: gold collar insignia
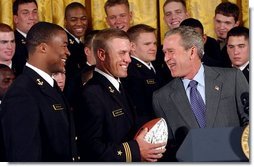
71	41
39	82
111	90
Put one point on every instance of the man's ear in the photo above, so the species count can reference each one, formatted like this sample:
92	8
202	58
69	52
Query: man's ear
15	19
43	47
101	54
131	15
204	37
86	50
237	23
193	52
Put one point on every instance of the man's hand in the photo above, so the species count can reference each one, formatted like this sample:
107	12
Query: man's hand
149	152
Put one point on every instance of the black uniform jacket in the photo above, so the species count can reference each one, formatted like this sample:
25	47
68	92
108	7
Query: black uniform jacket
37	125
140	83
107	124
20	57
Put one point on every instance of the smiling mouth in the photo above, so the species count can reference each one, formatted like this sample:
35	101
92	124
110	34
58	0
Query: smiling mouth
63	60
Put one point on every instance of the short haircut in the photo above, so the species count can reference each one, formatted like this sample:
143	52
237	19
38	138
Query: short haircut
89	37
228	9
103	37
135	30
41	32
16	4
5	28
192	23
110	3
73	5
189	38
180	1
238	31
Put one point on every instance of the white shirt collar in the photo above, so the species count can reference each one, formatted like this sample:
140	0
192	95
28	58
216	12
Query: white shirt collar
199	77
44	75
76	39
112	80
149	66
243	66
22	33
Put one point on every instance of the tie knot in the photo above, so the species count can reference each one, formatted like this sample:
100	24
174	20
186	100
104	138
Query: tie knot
193	84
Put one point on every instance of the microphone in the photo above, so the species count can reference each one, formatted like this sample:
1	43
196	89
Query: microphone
245	101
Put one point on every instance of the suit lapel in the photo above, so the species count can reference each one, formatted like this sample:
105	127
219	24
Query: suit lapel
180	99
113	92
213	89
108	86
42	84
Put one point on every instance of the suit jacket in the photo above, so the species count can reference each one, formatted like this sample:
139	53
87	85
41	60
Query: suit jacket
107	124
20	57
37	125
223	89
140	83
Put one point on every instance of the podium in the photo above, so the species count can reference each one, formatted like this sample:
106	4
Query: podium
212	145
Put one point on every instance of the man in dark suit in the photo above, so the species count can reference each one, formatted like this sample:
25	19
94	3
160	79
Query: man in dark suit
36	122
106	126
238	49
142	77
220	90
75	23
226	17
25	15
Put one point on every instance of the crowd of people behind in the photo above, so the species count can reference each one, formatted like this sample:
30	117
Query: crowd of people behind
72	95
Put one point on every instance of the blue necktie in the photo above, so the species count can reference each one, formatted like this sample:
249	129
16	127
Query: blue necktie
197	104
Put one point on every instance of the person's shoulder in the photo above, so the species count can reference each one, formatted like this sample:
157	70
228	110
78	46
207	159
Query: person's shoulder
168	87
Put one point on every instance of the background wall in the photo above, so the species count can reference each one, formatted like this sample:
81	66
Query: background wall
145	11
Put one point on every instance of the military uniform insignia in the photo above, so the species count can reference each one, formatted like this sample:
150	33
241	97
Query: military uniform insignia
39	82
57	107
117	112
217	88
127	152
71	41
111	90
139	65
150	81
23	41
119	152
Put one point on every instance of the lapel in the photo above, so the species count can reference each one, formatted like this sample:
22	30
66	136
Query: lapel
141	67
19	38
180	99
213	89
113	92
43	85
108	87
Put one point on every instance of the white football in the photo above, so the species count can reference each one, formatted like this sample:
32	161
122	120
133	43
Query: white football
157	131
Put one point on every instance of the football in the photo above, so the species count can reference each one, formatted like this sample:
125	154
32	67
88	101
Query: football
157	131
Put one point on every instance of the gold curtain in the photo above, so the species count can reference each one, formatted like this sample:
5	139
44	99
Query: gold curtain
144	11
6	12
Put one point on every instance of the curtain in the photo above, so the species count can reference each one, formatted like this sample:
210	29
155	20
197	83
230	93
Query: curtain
144	11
